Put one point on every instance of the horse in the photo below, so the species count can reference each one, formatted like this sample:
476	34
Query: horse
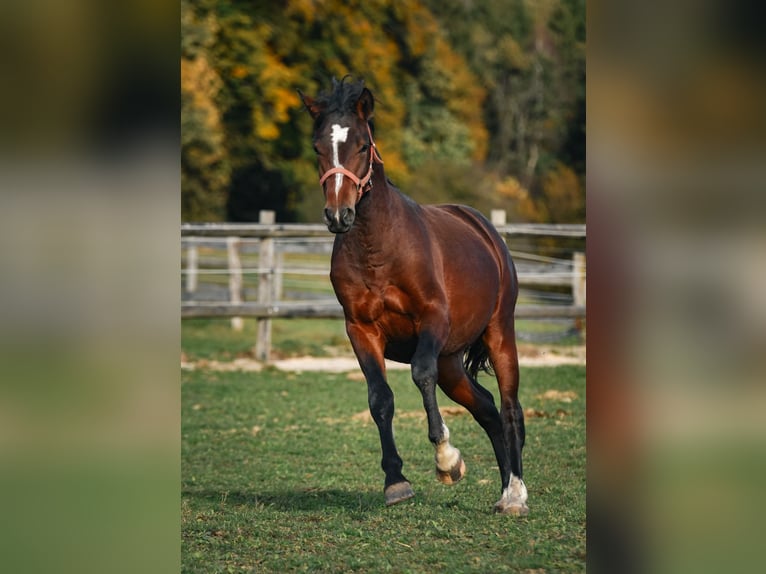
433	286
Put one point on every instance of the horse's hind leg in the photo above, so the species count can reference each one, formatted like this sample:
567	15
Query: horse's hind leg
501	344
456	384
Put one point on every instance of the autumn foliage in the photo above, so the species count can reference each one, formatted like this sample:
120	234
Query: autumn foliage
470	97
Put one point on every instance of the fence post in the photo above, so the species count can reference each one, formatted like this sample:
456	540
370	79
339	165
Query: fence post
498	217
235	278
191	267
578	278
266	261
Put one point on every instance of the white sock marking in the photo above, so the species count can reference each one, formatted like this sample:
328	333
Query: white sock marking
516	491
339	135
447	455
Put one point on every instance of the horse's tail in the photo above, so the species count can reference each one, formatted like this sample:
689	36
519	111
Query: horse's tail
477	359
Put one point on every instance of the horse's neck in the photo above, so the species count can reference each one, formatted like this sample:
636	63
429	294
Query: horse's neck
379	216
382	207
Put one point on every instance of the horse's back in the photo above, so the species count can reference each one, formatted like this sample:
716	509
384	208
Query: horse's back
478	274
457	224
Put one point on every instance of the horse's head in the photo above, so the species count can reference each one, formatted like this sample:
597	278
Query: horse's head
345	149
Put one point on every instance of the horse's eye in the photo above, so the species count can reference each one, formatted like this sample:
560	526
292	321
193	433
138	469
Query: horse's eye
316	150
364	148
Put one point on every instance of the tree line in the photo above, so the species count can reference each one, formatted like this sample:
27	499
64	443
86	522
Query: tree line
478	102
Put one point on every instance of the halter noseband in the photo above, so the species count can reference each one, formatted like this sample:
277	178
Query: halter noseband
364	184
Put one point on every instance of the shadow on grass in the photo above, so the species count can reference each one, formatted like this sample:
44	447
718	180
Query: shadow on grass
315	499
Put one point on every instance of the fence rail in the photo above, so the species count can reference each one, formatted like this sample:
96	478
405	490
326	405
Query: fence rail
333	310
275	230
271	240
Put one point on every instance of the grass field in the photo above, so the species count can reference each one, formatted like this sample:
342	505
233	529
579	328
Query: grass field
215	339
281	473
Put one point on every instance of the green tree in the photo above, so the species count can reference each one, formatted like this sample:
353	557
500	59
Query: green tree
530	57
205	168
489	88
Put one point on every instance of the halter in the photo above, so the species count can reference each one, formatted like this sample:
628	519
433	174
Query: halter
364	184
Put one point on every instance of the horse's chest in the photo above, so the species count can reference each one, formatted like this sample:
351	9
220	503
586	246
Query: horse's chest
386	305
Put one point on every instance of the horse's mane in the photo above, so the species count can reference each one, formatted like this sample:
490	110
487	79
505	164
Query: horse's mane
341	97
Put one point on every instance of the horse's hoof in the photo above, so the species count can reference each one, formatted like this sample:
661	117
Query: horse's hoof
514	509
398	492
452	475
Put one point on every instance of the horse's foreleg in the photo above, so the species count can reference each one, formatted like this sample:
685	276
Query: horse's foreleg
381	401
450	467
380	398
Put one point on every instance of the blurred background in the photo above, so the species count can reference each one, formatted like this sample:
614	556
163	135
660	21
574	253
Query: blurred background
92	191
477	102
89	330
677	317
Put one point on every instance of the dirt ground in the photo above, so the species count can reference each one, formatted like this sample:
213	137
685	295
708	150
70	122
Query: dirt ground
529	356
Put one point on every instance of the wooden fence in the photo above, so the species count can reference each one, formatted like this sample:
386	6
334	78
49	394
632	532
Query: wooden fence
274	239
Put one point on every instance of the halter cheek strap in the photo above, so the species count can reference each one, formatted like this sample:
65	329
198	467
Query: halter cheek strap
364	184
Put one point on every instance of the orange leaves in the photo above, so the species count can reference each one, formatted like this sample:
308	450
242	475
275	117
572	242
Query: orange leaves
276	82
301	9
285	99
564	195
422	28
524	206
200	85
265	129
199	79
562	198
430	67
238	72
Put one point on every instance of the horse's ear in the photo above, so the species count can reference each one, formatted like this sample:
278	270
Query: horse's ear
311	104
365	104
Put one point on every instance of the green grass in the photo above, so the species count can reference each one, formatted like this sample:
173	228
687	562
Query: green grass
215	339
278	475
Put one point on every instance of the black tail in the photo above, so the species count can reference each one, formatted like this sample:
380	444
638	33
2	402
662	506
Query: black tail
477	359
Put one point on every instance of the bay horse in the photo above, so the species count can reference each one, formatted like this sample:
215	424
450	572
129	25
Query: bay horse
429	285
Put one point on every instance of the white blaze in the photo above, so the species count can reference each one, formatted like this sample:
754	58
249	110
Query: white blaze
339	135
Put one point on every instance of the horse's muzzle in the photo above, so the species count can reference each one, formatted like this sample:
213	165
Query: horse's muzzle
339	221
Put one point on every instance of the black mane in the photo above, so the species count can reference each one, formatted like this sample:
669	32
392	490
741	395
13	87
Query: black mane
341	98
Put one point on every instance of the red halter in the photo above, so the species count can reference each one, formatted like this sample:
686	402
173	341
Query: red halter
363	184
